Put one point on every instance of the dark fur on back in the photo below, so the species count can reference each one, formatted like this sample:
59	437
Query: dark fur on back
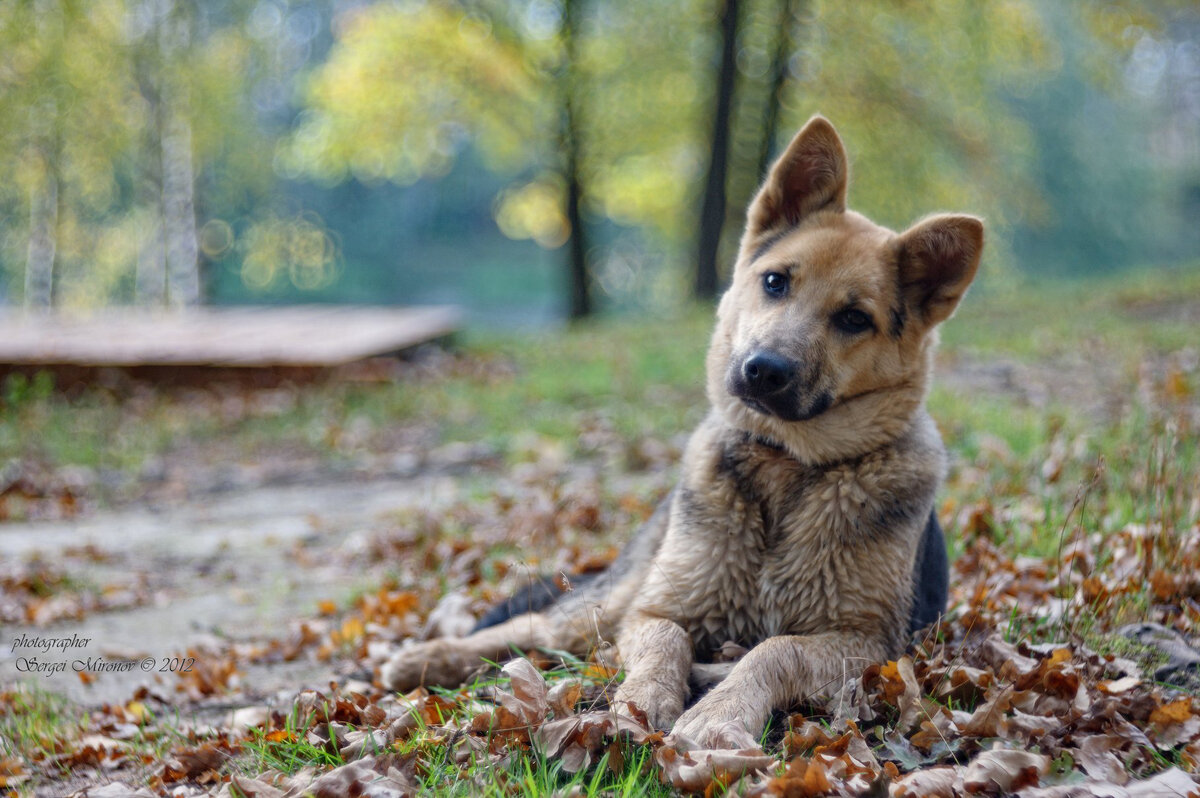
539	593
931	585
931	577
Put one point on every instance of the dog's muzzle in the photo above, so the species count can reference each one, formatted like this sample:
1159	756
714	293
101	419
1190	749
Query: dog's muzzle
766	374
771	384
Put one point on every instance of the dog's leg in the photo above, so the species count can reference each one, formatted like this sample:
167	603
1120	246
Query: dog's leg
706	675
447	661
774	675
575	624
657	656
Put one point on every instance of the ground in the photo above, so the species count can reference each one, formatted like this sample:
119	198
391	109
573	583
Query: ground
260	543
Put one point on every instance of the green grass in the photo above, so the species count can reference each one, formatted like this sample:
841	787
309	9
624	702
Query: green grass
637	377
286	756
1126	314
35	723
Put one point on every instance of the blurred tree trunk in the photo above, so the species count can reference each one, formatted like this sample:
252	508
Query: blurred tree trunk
178	177
785	45
43	235
767	29
579	281
45	197
712	211
151	279
150	285
179	212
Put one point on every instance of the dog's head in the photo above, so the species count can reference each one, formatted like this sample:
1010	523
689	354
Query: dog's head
824	338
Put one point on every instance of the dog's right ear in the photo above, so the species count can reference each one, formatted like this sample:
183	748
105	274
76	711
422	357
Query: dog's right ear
809	176
938	258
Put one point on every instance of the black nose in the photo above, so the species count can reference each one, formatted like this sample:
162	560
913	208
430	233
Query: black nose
767	373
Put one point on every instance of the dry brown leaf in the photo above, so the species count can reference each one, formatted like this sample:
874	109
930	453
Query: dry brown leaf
114	789
579	739
990	719
359	742
804	737
694	771
188	763
1173	783
936	782
528	701
1096	754
1005	660
389	776
1118	686
936	729
801	779
563	697
1004	770
902	691
852	747
253	788
1025	727
962	683
1191	756
1175	712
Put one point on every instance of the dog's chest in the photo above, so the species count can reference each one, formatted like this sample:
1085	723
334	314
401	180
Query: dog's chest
777	563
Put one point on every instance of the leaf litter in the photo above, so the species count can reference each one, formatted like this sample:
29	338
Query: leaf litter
968	711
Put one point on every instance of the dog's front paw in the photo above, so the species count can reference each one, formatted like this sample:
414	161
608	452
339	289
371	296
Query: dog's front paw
661	704
433	662
718	723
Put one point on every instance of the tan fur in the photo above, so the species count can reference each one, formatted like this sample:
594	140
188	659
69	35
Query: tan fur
796	526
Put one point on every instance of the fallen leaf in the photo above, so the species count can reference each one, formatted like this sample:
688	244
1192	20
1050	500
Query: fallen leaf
936	782
528	701
694	771
1096	754
1004	770
1177	711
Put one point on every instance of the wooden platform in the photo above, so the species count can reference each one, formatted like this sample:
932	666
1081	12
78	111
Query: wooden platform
308	335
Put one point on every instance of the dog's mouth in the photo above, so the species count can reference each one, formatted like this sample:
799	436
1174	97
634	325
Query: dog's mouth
789	412
776	386
756	406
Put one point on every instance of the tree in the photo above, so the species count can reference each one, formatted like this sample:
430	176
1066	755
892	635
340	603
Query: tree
467	72
556	96
571	143
712	211
931	92
63	70
111	111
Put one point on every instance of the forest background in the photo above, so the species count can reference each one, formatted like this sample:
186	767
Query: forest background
541	159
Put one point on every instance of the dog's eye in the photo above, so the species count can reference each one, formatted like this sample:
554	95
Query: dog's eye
775	284
852	320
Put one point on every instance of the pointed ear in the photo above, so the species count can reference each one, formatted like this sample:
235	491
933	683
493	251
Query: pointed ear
809	176
938	258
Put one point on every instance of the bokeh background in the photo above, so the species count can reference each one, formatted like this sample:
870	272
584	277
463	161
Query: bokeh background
536	160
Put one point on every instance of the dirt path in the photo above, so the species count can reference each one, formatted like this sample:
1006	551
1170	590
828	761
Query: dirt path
236	565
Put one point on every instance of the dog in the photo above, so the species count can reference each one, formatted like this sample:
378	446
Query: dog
802	527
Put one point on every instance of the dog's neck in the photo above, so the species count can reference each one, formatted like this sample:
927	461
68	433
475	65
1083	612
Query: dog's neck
852	427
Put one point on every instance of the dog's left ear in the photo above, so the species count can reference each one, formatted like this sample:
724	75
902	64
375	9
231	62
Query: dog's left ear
938	258
808	177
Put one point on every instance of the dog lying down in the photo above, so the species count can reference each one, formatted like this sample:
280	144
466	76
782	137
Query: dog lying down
802	527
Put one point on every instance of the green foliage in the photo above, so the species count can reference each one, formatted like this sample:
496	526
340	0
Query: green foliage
82	105
1066	125
406	87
